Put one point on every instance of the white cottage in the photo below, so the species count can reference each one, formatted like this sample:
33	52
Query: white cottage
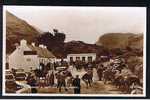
28	57
87	57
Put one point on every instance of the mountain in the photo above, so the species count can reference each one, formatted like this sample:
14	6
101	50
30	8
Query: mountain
17	29
55	43
121	40
136	41
81	47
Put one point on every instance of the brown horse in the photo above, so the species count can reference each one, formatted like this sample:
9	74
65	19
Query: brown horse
87	78
108	75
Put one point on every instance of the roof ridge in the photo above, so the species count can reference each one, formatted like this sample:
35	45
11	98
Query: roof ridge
42	52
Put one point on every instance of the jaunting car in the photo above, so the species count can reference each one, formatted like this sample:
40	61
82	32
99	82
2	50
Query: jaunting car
20	76
10	83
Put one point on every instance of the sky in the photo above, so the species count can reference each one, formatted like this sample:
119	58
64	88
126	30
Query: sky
83	23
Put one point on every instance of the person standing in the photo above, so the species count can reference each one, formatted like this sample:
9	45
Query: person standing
95	75
33	84
61	81
100	72
52	79
48	78
70	69
76	84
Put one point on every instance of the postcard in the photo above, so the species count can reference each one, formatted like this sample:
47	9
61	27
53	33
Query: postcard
74	51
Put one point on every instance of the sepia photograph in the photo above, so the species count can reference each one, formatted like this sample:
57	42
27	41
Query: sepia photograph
74	51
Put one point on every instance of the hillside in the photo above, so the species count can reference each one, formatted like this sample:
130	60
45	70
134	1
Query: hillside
17	29
55	43
121	40
81	47
136	41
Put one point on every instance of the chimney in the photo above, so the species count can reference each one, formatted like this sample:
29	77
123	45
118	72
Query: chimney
23	42
16	45
33	44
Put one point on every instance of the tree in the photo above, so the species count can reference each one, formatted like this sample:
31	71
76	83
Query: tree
45	38
54	42
59	37
48	38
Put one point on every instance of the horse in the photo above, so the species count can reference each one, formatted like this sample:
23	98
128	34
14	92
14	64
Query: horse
124	82
119	82
132	79
67	73
136	89
87	78
108	75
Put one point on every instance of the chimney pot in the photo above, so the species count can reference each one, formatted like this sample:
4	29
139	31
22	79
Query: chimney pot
23	42
16	45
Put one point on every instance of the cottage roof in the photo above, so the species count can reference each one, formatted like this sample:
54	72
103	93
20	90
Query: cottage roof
42	52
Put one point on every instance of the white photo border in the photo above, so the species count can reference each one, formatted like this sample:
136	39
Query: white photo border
70	95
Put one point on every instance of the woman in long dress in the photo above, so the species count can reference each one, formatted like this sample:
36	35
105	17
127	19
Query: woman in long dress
95	75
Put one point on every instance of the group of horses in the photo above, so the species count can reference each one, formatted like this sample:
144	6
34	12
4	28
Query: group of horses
110	73
114	74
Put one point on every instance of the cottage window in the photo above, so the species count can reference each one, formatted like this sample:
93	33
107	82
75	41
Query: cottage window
7	66
71	58
90	59
83	58
77	58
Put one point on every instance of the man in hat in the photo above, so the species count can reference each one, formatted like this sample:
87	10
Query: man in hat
76	84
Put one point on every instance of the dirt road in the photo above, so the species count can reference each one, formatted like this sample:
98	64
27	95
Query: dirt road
97	88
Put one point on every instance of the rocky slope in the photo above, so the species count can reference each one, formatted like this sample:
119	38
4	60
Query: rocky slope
121	40
17	29
81	47
55	43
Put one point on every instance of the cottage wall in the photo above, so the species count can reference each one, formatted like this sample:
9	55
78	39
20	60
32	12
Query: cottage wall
81	56
31	62
16	59
46	60
27	61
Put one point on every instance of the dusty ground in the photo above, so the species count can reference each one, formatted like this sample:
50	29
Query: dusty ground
97	88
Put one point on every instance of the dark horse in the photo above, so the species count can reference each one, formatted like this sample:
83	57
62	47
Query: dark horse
87	78
124	83
108	75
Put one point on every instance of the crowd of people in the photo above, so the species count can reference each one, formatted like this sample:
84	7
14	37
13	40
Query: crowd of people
110	72
50	78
